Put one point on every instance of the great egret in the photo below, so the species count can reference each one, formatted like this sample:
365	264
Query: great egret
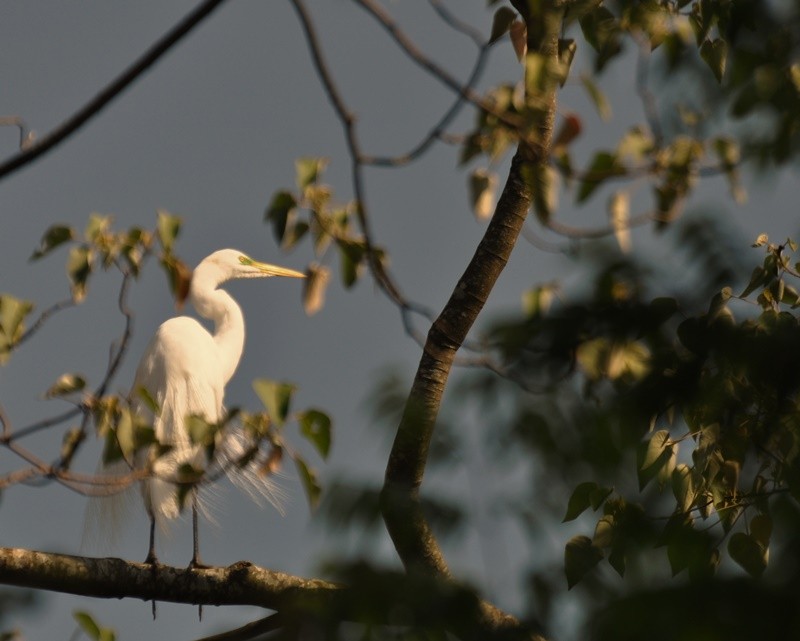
184	370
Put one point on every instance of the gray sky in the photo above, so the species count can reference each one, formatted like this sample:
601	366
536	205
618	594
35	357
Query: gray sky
209	134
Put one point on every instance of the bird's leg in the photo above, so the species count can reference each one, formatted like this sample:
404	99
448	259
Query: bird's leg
151	559
151	551
195	563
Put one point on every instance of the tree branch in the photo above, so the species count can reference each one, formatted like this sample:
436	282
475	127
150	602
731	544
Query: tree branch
400	504
109	578
101	100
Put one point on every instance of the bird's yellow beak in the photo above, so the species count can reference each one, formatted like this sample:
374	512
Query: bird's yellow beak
275	270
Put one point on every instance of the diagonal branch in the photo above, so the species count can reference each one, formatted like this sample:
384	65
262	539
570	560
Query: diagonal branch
101	100
413	538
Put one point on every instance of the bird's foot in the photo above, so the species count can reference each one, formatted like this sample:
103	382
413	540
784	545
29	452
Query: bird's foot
152	561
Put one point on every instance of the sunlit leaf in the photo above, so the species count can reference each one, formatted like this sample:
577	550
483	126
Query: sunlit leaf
79	267
200	431
604	532
65	385
656	446
482	186
12	322
87	624
276	397
167	229
314	287
566	54
308	171
536	302
619	214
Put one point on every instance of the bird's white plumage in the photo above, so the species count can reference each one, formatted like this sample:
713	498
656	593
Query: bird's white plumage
184	370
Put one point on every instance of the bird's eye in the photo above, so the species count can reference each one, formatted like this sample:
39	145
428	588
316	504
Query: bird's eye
244	260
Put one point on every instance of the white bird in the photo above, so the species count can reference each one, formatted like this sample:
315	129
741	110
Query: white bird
184	370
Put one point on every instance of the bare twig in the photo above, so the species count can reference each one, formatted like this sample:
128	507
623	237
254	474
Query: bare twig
250	631
414	53
43	317
101	100
438	130
456	23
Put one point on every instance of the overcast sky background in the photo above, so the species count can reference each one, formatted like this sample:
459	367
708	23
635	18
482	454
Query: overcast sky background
210	133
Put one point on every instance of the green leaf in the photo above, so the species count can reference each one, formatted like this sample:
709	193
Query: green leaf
715	55
280	211
90	627
604	165
655	448
536	302
97	227
65	385
167	228
200	431
79	267
683	487
311	485
748	552
276	397
308	171
352	261
12	322
53	237
758	278
580	556
580	500
597	96
316	427
501	22
87	624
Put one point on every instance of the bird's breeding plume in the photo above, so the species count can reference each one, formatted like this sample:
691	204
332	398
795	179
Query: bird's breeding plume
182	376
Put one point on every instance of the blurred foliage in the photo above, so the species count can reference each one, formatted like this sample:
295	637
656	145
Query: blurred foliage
667	413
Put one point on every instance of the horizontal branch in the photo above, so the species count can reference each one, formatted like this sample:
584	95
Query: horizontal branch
111	578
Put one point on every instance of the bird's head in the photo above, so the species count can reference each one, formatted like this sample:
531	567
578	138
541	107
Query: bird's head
227	264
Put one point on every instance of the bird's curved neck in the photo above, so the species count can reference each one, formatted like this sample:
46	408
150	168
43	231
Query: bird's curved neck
218	306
